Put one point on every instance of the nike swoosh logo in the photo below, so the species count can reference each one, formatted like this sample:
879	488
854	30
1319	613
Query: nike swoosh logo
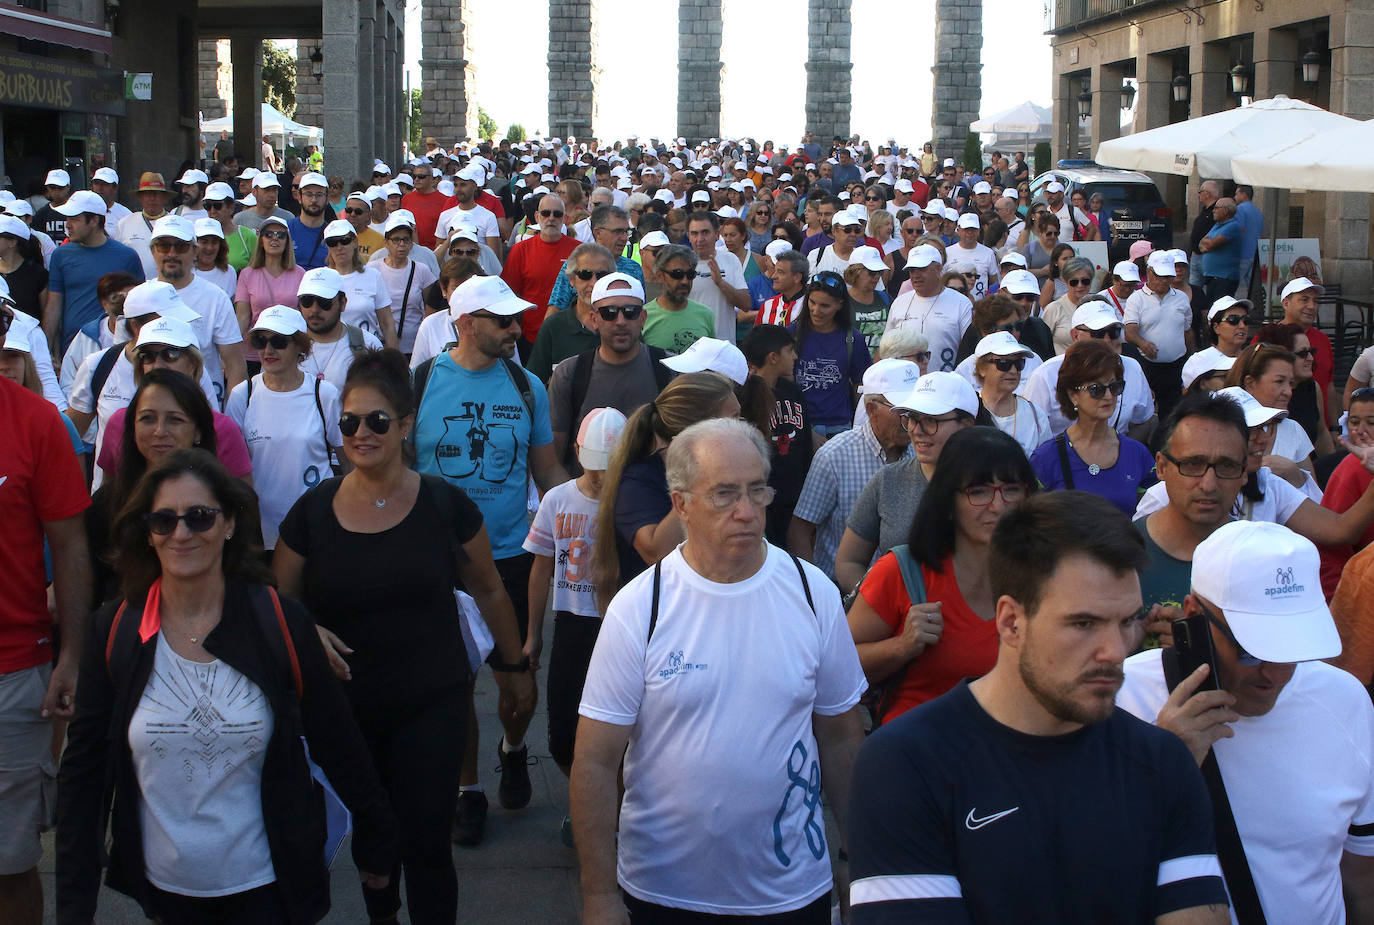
973	822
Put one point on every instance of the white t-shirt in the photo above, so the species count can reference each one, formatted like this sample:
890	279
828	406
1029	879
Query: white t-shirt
136	231
1136	404
33	334
478	215
1027	425
82	346
199	739
117	213
425	258
705	291
1300	779
286	435
825	258
564	529
722	777
942	319
435	331
226	279
217	325
332	361
1292	442
1281	500
367	292
414	309
1066	223
983	259
1162	319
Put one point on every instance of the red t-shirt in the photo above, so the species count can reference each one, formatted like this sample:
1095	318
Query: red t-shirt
1347	483
40	480
492	203
426	208
967	648
531	270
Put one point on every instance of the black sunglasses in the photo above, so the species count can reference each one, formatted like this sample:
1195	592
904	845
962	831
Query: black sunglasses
338	242
198	520
550	213
275	235
356	211
260	341
501	321
1099	389
585	275
1013	327
379	422
310	301
168	354
1305	353
1234	319
678	274
1110	332
630	312
1077	283
1007	364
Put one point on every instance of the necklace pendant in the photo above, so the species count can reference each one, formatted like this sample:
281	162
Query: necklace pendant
195	639
380	502
1094	469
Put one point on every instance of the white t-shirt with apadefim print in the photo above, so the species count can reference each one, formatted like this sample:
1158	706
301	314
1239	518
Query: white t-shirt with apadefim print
564	529
722	810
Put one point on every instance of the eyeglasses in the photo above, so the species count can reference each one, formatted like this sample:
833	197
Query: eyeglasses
873	199
311	301
1242	657
911	231
918	358
617	231
629	312
7	318
1305	353
1099	389
1079	283
678	274
356	211
338	242
1025	297
1195	467
198	520
378	422
463	252
501	321
550	213
275	235
1007	364
924	423
1110	332
166	247
167	354
725	498
1010	492
400	239
1234	319
260	341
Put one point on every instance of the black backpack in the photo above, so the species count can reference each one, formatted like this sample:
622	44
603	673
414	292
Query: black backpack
319	409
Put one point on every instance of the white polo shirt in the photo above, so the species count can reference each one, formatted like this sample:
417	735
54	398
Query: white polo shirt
1162	319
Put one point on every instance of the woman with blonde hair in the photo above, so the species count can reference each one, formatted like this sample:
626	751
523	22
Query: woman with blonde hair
636	525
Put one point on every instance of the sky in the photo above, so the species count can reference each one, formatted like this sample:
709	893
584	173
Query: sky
764	51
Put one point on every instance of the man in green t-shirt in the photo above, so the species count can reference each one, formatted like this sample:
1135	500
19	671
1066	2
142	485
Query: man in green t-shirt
674	322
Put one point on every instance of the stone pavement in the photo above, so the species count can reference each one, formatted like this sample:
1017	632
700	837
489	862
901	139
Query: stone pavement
520	873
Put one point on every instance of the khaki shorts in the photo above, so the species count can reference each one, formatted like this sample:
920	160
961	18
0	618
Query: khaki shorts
28	775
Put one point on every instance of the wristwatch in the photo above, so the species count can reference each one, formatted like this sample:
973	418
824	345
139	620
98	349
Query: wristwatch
522	665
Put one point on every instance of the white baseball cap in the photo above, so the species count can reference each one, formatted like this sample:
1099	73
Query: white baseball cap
1179	255
891	378
9	224
1266	580
1002	344
727	212
773	251
708	353
1054	186
923	255
846	218
157	298
485	294
473	173
665	195
935	207
321	282
701	196
1162	263
339	228
1301	284
80	202
280	319
208	227
654	239
216	192
1021	282
248	173
1127	270
273	219
1255	413
904	186
949	162
379	167
597	437
170	332
193	175
264	180
1014	258
982	186
174	226
939	393
401	218
404	179
604	289
57	177
313	179
1226	302
970	220
869	257
105	175
1205	362
22	207
364	196
951	214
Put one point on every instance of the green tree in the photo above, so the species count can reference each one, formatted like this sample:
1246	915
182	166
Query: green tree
486	125
1041	157
279	78
515	133
416	133
973	154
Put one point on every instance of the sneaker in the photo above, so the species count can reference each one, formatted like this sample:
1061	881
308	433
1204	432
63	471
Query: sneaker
515	789
565	834
470	821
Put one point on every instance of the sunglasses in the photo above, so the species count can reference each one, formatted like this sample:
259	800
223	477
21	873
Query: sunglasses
463	252
828	279
356	211
198	520
501	321
585	275
1305	353
1025	297
1110	332
630	312
338	242
550	213
260	341
378	422
168	354
166	247
1099	389
1079	283
873	199
275	235
1234	319
1007	364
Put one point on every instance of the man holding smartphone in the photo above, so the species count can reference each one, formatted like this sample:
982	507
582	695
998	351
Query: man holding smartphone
1293	736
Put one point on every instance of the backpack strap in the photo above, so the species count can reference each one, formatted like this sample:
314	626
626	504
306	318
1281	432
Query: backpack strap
113	635
274	629
356	344
914	583
248	397
405	300
103	367
806	585
520	379
324	429
1061	443
653	607
420	379
581	382
92	328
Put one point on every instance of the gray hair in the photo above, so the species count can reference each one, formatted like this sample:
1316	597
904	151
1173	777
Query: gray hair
602	196
798	262
682	456
637	201
603	214
1075	264
901	342
670	252
590	249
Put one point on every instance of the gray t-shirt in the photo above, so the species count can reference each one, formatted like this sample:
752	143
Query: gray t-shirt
249	218
625	387
887	505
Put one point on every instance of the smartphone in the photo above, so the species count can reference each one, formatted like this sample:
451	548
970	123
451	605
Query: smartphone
1193	647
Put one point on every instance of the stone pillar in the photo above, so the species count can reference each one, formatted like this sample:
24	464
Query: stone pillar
391	99
1211	90
698	69
573	72
381	144
958	93
1345	256
309	89
828	68
1276	62
1154	91
1106	90
216	77
448	105
344	140
245	54
1064	119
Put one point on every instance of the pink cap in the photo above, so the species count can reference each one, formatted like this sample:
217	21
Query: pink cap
1140	249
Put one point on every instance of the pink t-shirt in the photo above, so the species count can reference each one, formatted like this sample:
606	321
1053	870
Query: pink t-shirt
260	290
229	445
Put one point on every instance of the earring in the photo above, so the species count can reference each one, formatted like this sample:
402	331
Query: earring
228	536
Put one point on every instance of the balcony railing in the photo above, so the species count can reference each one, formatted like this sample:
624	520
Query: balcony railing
1068	14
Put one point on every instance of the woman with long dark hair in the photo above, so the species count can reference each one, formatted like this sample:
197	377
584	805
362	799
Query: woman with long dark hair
831	355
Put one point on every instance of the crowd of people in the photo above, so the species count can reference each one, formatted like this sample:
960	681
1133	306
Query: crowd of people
848	483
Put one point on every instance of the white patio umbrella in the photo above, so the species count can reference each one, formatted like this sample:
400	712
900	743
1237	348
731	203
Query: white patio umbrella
1022	119
1337	160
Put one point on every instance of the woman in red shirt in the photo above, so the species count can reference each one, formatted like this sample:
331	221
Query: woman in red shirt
921	651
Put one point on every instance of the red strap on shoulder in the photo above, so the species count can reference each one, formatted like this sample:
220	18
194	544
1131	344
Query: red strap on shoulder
114	630
290	645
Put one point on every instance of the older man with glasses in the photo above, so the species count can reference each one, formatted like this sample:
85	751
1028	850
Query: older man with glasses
535	264
1159	323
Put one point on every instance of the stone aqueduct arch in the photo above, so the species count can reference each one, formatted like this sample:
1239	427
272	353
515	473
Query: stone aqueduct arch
574	74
